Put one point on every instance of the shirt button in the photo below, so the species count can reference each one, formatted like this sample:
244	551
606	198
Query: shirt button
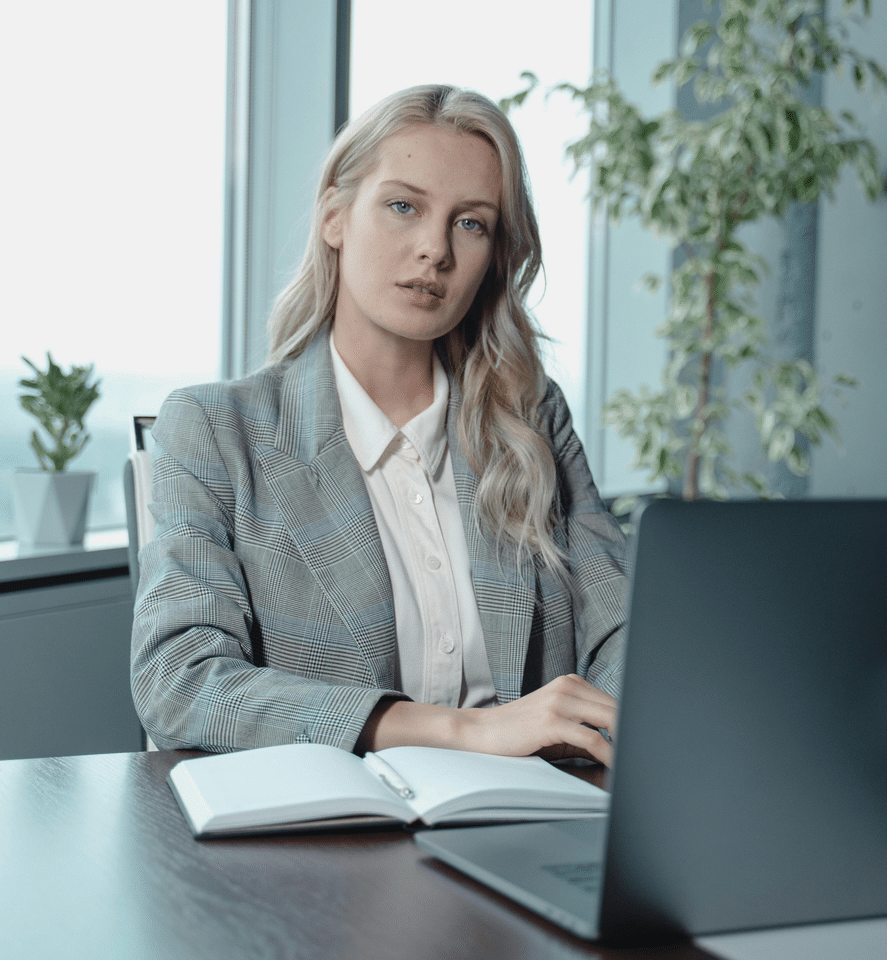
433	563
416	497
447	644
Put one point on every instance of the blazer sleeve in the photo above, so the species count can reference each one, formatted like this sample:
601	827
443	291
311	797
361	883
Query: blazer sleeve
596	550
195	681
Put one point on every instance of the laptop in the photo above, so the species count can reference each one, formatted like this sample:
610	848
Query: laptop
749	788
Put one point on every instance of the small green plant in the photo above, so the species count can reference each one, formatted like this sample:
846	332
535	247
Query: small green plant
60	402
697	183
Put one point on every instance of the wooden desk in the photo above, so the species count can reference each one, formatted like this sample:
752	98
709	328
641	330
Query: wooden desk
96	861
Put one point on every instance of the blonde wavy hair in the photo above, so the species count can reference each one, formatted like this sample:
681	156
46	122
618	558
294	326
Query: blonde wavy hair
493	353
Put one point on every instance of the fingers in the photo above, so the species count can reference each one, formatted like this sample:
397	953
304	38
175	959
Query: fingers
580	739
564	719
585	704
600	751
566	716
579	713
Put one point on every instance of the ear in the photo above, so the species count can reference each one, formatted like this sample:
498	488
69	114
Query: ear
331	222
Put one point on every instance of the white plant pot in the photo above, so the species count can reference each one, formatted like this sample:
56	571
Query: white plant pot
51	508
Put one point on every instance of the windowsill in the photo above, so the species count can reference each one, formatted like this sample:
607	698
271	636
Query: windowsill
102	549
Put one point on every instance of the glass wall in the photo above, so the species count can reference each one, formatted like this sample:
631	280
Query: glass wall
112	188
486	46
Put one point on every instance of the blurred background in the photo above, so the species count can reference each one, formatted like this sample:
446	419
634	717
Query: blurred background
161	160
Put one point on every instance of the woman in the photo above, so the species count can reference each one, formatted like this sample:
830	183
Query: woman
389	535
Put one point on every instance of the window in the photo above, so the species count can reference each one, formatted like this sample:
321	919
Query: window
486	46
114	117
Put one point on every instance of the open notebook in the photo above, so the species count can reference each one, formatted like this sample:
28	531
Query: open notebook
313	786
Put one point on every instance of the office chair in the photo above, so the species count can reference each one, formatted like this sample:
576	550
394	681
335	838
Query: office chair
137	493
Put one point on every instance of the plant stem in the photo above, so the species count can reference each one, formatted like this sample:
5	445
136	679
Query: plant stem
700	417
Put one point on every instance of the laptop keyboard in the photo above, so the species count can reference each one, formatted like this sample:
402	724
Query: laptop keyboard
586	876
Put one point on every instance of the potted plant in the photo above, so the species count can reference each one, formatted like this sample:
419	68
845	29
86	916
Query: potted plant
51	502
763	146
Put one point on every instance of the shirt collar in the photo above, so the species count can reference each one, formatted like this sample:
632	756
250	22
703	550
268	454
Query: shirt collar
370	432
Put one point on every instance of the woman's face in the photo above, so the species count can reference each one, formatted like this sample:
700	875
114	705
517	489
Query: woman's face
417	240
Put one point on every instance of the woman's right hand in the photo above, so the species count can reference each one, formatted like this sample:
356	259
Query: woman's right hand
560	720
563	719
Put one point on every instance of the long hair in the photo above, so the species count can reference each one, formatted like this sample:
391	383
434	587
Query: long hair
492	354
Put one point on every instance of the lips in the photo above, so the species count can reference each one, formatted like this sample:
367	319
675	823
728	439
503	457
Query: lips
425	287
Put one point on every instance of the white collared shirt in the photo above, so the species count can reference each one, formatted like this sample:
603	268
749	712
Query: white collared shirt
408	473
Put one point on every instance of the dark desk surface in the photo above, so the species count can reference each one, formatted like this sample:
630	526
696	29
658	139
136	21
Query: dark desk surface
97	862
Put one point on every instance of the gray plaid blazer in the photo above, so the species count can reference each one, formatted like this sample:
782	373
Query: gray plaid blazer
265	613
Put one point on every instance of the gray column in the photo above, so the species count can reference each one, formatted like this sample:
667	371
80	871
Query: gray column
631	38
851	297
282	115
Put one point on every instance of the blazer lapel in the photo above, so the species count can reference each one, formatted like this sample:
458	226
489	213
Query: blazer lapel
319	490
504	585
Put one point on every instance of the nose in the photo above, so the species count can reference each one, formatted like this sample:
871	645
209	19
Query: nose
434	244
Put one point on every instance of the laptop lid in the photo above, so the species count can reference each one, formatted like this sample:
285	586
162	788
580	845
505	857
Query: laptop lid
750	784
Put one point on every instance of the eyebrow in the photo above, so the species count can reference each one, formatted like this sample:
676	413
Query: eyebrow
424	193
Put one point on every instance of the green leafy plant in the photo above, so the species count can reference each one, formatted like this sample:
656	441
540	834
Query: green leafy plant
60	402
697	183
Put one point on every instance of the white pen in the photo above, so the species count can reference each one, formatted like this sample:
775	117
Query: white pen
388	775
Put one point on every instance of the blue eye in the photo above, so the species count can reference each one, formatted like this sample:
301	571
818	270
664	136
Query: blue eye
401	206
471	225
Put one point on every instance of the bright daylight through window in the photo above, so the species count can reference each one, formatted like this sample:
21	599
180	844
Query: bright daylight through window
111	184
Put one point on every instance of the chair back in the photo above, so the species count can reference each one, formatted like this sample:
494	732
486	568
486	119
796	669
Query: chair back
137	493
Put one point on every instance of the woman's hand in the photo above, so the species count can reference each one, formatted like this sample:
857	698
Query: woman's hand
557	721
560	720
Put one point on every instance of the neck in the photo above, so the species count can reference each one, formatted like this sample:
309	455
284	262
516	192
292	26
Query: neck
398	379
